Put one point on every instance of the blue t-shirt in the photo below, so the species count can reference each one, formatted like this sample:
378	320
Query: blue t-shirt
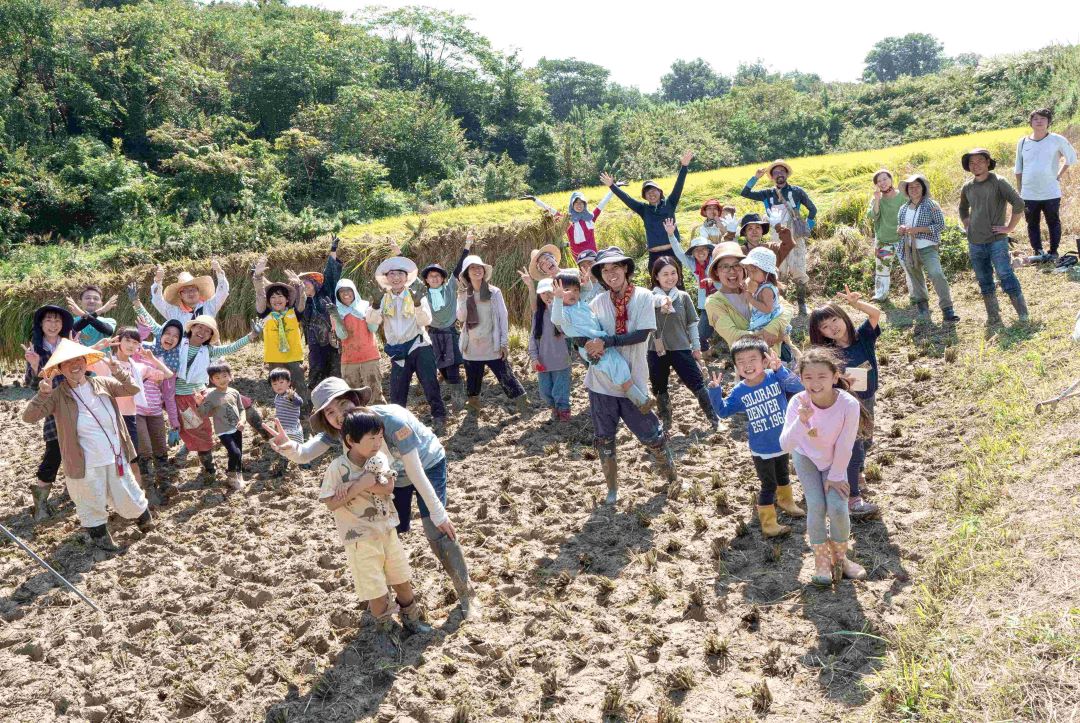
403	433
863	349
765	406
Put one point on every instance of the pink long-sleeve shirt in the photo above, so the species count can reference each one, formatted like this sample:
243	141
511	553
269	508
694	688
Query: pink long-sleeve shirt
837	427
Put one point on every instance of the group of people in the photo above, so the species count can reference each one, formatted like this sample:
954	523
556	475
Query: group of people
114	399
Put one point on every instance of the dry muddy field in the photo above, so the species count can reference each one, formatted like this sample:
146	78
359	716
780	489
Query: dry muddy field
669	606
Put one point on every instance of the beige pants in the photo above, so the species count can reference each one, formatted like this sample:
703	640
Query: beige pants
101	486
365	374
376	561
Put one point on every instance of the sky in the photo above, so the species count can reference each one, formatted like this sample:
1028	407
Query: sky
827	38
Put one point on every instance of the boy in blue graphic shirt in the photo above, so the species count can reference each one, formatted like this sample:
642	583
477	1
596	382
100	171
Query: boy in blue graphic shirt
762	396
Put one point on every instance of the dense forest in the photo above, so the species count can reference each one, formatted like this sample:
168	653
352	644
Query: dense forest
177	127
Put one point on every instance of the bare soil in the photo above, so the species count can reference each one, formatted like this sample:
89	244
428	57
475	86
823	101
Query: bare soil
239	606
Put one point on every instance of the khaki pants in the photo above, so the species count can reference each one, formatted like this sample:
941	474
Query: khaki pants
365	374
102	485
376	561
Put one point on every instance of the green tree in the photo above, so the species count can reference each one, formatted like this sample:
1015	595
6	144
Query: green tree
543	160
570	83
691	80
913	54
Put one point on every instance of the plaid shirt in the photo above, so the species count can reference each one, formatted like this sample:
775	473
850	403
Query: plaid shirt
928	214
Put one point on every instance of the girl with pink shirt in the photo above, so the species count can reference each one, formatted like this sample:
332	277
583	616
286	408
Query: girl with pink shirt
820	429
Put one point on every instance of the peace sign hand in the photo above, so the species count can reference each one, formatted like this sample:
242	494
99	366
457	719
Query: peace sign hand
31	356
526	278
772	361
849	296
107	342
277	434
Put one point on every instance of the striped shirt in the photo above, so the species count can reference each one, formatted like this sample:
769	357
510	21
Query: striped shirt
154	400
183	388
287	410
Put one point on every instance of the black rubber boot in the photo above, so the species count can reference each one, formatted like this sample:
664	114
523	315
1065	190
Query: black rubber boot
42	509
605	448
101	539
993	311
209	472
707	408
663	408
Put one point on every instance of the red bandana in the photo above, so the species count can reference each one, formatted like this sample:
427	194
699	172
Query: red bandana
705	282
622	307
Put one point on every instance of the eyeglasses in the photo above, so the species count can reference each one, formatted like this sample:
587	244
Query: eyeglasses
728	267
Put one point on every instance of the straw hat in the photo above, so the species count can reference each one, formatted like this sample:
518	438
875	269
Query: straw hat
910	180
205	284
723	250
778	163
474	260
763	258
207	321
395	263
289	291
327	391
65	351
535	255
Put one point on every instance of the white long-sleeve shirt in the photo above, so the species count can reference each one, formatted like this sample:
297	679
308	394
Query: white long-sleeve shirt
210	307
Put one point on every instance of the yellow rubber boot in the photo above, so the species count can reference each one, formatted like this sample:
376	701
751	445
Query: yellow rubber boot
769	526
786	502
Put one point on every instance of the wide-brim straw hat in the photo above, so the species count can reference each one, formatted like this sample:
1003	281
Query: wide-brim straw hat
763	258
779	162
474	260
752	218
611	255
396	263
289	291
723	250
911	179
313	276
966	158
327	391
207	321
65	315
534	257
65	351
205	284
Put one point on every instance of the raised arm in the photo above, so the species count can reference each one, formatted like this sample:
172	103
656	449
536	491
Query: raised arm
680	180
258	280
748	192
634	205
221	291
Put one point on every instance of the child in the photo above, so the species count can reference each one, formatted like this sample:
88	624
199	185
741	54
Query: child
126	344
278	304
355	323
820	428
190	296
577	320
440	290
315	318
166	347
830	326
590	287
581	232
366	521
50	325
223	405
762	292
404	322
718	222
94	442
762	396
287	404
550	355
675	343
701	249
485	338
90	323
197	350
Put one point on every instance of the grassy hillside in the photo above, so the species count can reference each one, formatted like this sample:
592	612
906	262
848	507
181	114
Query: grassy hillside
506	231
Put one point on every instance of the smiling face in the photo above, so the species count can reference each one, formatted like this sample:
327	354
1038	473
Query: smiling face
614	276
200	334
221	380
753	233
367	445
335	411
731	274
712	212
129	346
51	325
978	165
396	279
309	288
915	192
90	300
750	365
834	328
779	176
667	277
547	265
476	275
74	370
818	379
170	337
653	195
278	301
883	182
189	295
434	280
701	254
579	206
346	296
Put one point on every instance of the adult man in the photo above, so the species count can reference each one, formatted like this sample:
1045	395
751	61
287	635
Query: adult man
787	199
627	315
190	296
1042	158
983	201
883	213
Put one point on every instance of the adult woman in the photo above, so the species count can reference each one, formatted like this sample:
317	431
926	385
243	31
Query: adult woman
485	341
408	441
626	314
919	226
728	310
